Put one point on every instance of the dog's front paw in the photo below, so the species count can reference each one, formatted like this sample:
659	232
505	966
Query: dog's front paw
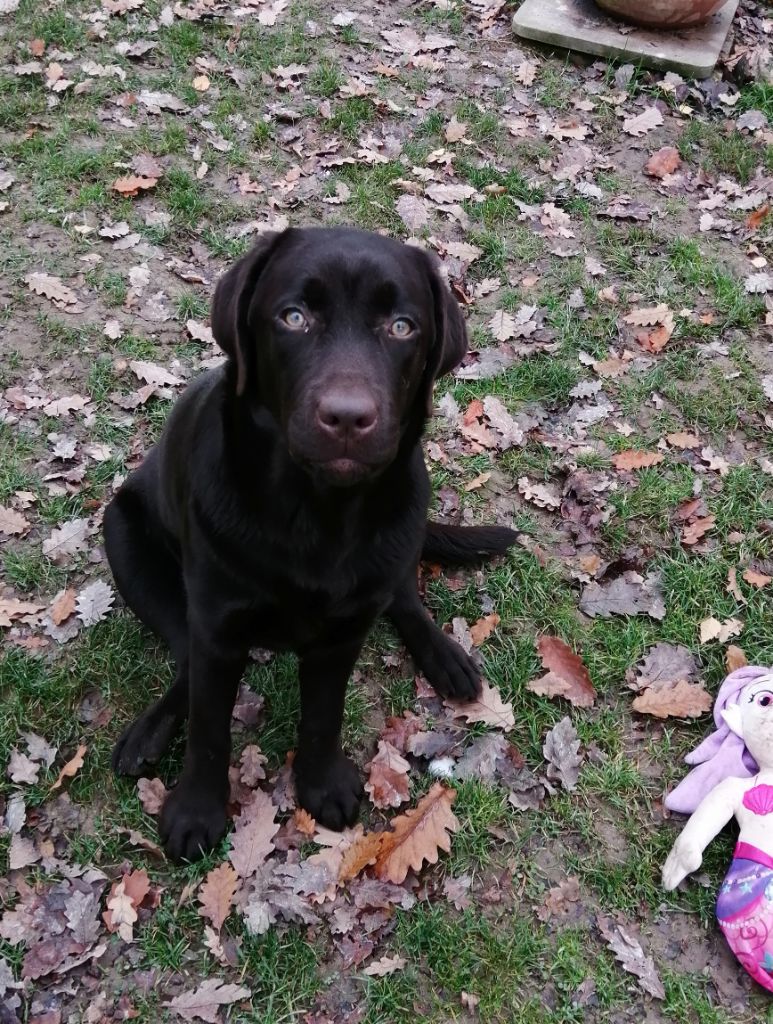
142	744
449	670
330	792
192	821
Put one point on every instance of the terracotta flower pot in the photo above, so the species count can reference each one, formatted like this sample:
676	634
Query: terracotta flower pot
662	13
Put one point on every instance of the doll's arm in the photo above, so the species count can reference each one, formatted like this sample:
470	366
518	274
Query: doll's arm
710	817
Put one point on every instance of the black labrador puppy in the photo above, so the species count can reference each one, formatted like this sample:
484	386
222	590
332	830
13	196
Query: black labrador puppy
285	506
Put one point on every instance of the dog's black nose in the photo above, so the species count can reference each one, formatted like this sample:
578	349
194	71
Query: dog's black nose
347	413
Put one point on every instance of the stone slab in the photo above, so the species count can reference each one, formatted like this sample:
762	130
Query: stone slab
581	25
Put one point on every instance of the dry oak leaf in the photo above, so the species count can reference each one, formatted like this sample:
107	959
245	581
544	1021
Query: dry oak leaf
735	658
11	608
632	459
68	539
154	374
52	288
94	602
663	161
455	130
133	184
648	316
562	750
418	835
713	629
559	897
541	495
12	523
642	123
676	699
361	854
72	767
152	794
304	822
483	628
22	769
684	440
121	913
757	579
388	784
631	956
204	1002
216	894
386	965
413	211
566	675
253	837
488	708
693	531
62	606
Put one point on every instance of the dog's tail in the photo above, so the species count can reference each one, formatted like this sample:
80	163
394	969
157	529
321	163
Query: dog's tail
465	545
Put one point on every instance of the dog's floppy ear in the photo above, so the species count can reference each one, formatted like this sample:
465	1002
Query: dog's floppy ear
450	344
231	303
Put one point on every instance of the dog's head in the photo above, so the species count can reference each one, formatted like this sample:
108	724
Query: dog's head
340	334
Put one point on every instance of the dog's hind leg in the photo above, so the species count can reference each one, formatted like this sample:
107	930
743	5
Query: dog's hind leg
150	580
449	669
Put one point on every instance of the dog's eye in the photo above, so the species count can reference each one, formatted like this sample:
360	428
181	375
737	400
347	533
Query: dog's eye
402	327
294	319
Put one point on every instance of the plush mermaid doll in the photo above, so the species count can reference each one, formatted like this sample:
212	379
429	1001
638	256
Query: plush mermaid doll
734	776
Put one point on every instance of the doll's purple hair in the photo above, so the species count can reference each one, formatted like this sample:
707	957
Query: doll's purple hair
723	754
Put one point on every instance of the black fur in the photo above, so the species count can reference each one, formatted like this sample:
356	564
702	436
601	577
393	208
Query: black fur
285	507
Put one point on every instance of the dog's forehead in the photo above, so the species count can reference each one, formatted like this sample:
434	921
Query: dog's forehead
352	263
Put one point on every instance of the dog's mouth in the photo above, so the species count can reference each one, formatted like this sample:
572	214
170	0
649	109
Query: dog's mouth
344	472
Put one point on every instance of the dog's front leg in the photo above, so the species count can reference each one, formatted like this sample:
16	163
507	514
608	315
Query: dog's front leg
327	782
193	818
446	666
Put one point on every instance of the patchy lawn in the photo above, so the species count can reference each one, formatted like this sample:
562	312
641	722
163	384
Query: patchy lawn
608	232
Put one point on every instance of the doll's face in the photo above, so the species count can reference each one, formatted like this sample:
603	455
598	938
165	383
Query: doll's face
752	719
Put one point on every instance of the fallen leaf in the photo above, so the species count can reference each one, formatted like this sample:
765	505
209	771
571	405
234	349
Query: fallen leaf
757	579
633	459
52	288
643	123
756	218
629	594
631	956
682	439
759	283
152	794
417	836
388	784
713	629
201	83
562	750
154	374
541	495
413	211
664	664
735	658
489	708
252	763
62	606
203	1003
483	628
133	184
94	602
483	758
676	699
121	914
558	898
386	965
22	769
663	162
216	894
12	523
693	531
253	836
455	130
566	676
68	539
72	767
